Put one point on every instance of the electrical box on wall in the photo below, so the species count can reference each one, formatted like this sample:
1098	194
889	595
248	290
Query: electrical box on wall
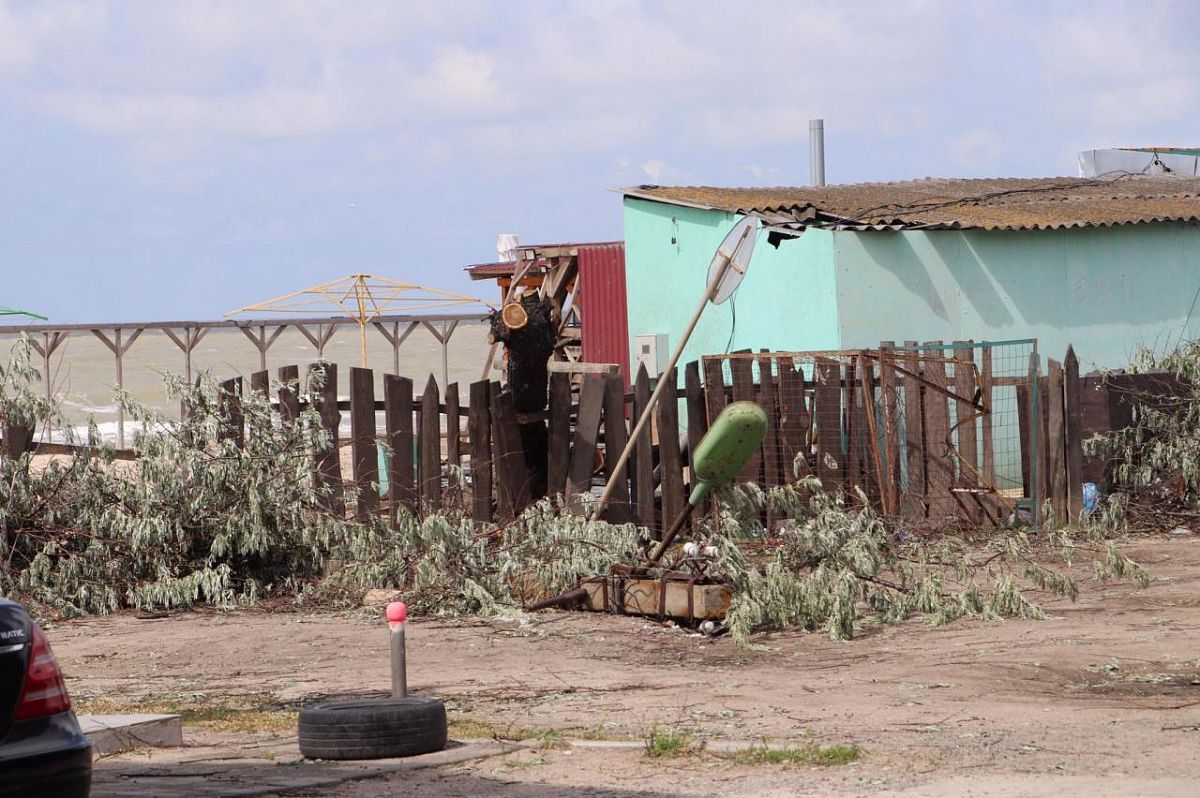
651	350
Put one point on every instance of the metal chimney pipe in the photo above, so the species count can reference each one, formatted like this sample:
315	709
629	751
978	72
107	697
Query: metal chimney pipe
816	151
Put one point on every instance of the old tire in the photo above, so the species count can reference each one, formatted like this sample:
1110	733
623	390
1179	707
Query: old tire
373	728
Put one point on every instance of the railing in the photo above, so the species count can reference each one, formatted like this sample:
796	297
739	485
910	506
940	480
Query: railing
119	337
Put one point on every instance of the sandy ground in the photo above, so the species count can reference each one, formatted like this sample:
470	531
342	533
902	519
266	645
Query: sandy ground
1101	699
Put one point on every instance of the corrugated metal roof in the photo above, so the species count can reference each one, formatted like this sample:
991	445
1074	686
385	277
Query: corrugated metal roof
1048	203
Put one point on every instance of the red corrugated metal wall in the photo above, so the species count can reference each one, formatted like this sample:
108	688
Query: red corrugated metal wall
603	316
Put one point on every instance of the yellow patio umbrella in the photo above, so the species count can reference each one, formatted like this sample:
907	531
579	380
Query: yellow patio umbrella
362	297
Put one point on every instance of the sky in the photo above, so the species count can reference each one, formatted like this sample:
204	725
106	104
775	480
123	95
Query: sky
175	160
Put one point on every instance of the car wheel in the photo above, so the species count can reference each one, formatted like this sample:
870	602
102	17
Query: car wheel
373	728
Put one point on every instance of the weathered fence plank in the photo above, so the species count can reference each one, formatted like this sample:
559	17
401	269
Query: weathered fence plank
587	432
914	505
715	398
967	427
260	383
827	417
742	371
968	437
643	456
479	430
558	457
939	460
616	437
232	426
289	392
853	423
1073	422
873	467
329	463
512	473
768	397
987	423
398	424
1023	432
429	446
794	422
1056	441
364	455
697	425
670	463
891	427
453	430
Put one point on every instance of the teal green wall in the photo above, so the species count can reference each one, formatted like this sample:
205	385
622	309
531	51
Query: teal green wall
1105	290
786	302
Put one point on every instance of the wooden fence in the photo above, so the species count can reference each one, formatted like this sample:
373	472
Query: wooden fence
923	431
919	430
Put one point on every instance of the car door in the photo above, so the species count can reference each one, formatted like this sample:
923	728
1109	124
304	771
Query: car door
15	634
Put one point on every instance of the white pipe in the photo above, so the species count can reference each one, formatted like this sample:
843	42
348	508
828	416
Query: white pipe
816	151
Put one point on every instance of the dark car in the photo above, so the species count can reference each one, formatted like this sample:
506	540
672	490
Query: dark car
42	750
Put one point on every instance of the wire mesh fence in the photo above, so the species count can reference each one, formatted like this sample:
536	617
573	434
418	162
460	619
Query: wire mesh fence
935	433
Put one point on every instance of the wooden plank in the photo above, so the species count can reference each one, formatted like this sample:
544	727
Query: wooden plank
827	418
967	434
364	455
260	383
1056	450
18	439
453	428
1047	487
742	371
697	425
891	427
714	389
643	457
852	420
873	468
987	423
968	437
398	424
794	423
504	484
1073	422
232	426
429	449
587	432
289	392
511	469
913	504
329	463
616	436
670	463
1023	431
479	431
558	458
768	397
939	461
573	367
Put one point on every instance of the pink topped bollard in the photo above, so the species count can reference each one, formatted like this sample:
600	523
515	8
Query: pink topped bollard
397	617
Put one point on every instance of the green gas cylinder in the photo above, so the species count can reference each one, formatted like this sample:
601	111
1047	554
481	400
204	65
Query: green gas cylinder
729	443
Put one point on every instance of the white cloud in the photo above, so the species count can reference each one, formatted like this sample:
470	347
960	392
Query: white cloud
508	86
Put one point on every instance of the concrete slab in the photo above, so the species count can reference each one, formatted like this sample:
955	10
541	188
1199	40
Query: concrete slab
112	734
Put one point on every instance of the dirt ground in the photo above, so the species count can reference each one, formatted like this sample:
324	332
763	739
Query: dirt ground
1103	698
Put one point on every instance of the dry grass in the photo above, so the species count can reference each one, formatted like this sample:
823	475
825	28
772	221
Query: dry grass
218	717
